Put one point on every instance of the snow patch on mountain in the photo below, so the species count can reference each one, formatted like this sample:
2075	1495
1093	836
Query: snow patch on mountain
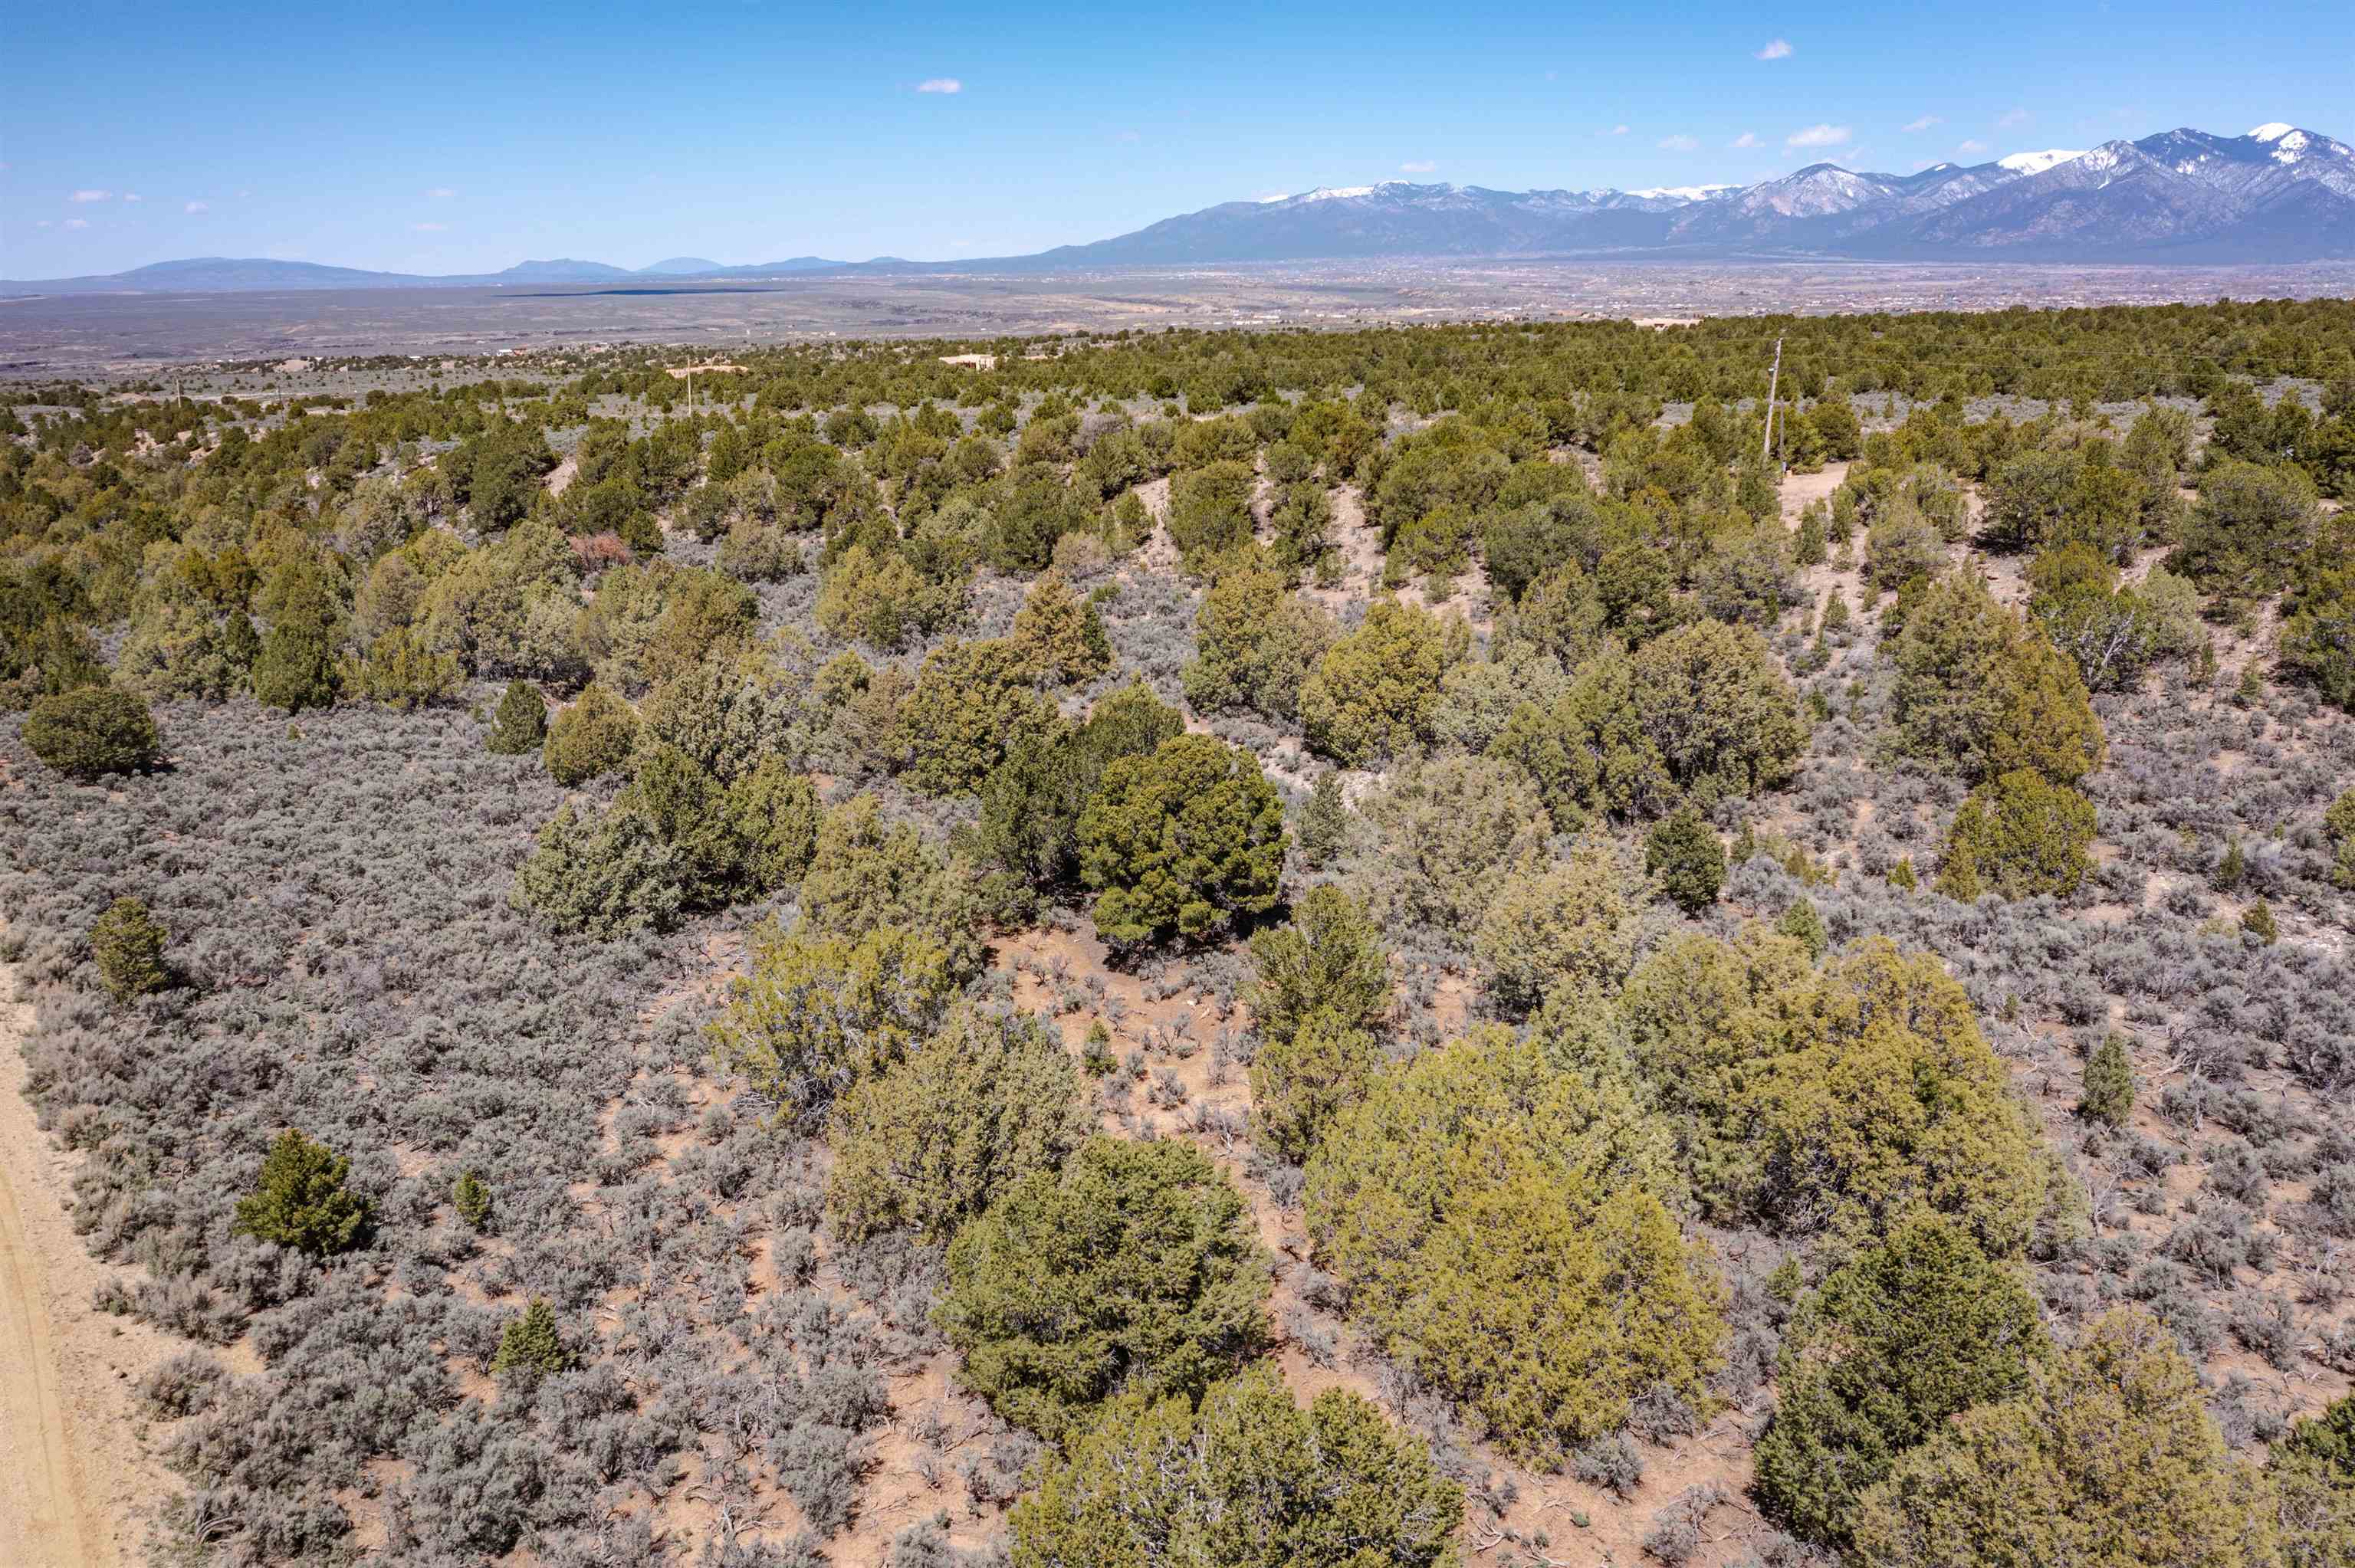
2037	163
2271	130
1682	193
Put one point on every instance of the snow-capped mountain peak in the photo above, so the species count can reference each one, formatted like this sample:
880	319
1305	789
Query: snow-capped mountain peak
1682	193
2037	163
2181	195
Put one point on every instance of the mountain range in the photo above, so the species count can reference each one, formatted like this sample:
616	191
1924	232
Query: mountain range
2277	194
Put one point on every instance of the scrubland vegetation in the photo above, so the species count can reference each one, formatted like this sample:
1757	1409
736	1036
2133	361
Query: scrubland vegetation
1369	948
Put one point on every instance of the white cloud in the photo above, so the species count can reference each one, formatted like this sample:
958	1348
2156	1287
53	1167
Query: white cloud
1417	166
132	195
1972	147
1129	136
441	193
43	223
76	223
941	84
91	196
2014	117
198	206
429	228
1923	123
1780	50
1618	129
1679	143
1818	136
1747	139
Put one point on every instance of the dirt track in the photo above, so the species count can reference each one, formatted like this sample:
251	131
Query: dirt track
72	1470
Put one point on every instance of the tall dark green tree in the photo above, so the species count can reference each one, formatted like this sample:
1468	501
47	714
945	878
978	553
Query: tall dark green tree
1181	842
520	724
295	668
1685	855
1913	1331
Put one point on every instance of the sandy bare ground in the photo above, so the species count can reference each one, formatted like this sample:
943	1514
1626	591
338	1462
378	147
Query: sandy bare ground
75	1475
1799	489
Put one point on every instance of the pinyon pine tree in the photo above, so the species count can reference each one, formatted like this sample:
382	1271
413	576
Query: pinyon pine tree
128	946
302	1201
530	1347
2109	1092
1687	859
522	724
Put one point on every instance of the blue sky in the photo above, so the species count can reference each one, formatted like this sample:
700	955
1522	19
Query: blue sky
428	137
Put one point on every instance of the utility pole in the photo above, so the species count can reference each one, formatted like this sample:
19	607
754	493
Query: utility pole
1773	377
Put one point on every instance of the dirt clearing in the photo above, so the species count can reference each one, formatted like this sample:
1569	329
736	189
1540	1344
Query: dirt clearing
75	1476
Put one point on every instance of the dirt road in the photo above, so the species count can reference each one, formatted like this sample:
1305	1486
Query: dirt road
73	1471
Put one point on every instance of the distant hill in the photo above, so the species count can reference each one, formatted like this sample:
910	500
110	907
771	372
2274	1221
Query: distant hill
213	274
2276	194
223	274
563	270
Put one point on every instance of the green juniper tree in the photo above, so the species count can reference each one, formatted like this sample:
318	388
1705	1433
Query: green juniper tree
1905	1336
90	731
1685	857
1249	1479
1133	1268
471	1196
2109	1090
530	1346
128	945
521	723
301	1202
